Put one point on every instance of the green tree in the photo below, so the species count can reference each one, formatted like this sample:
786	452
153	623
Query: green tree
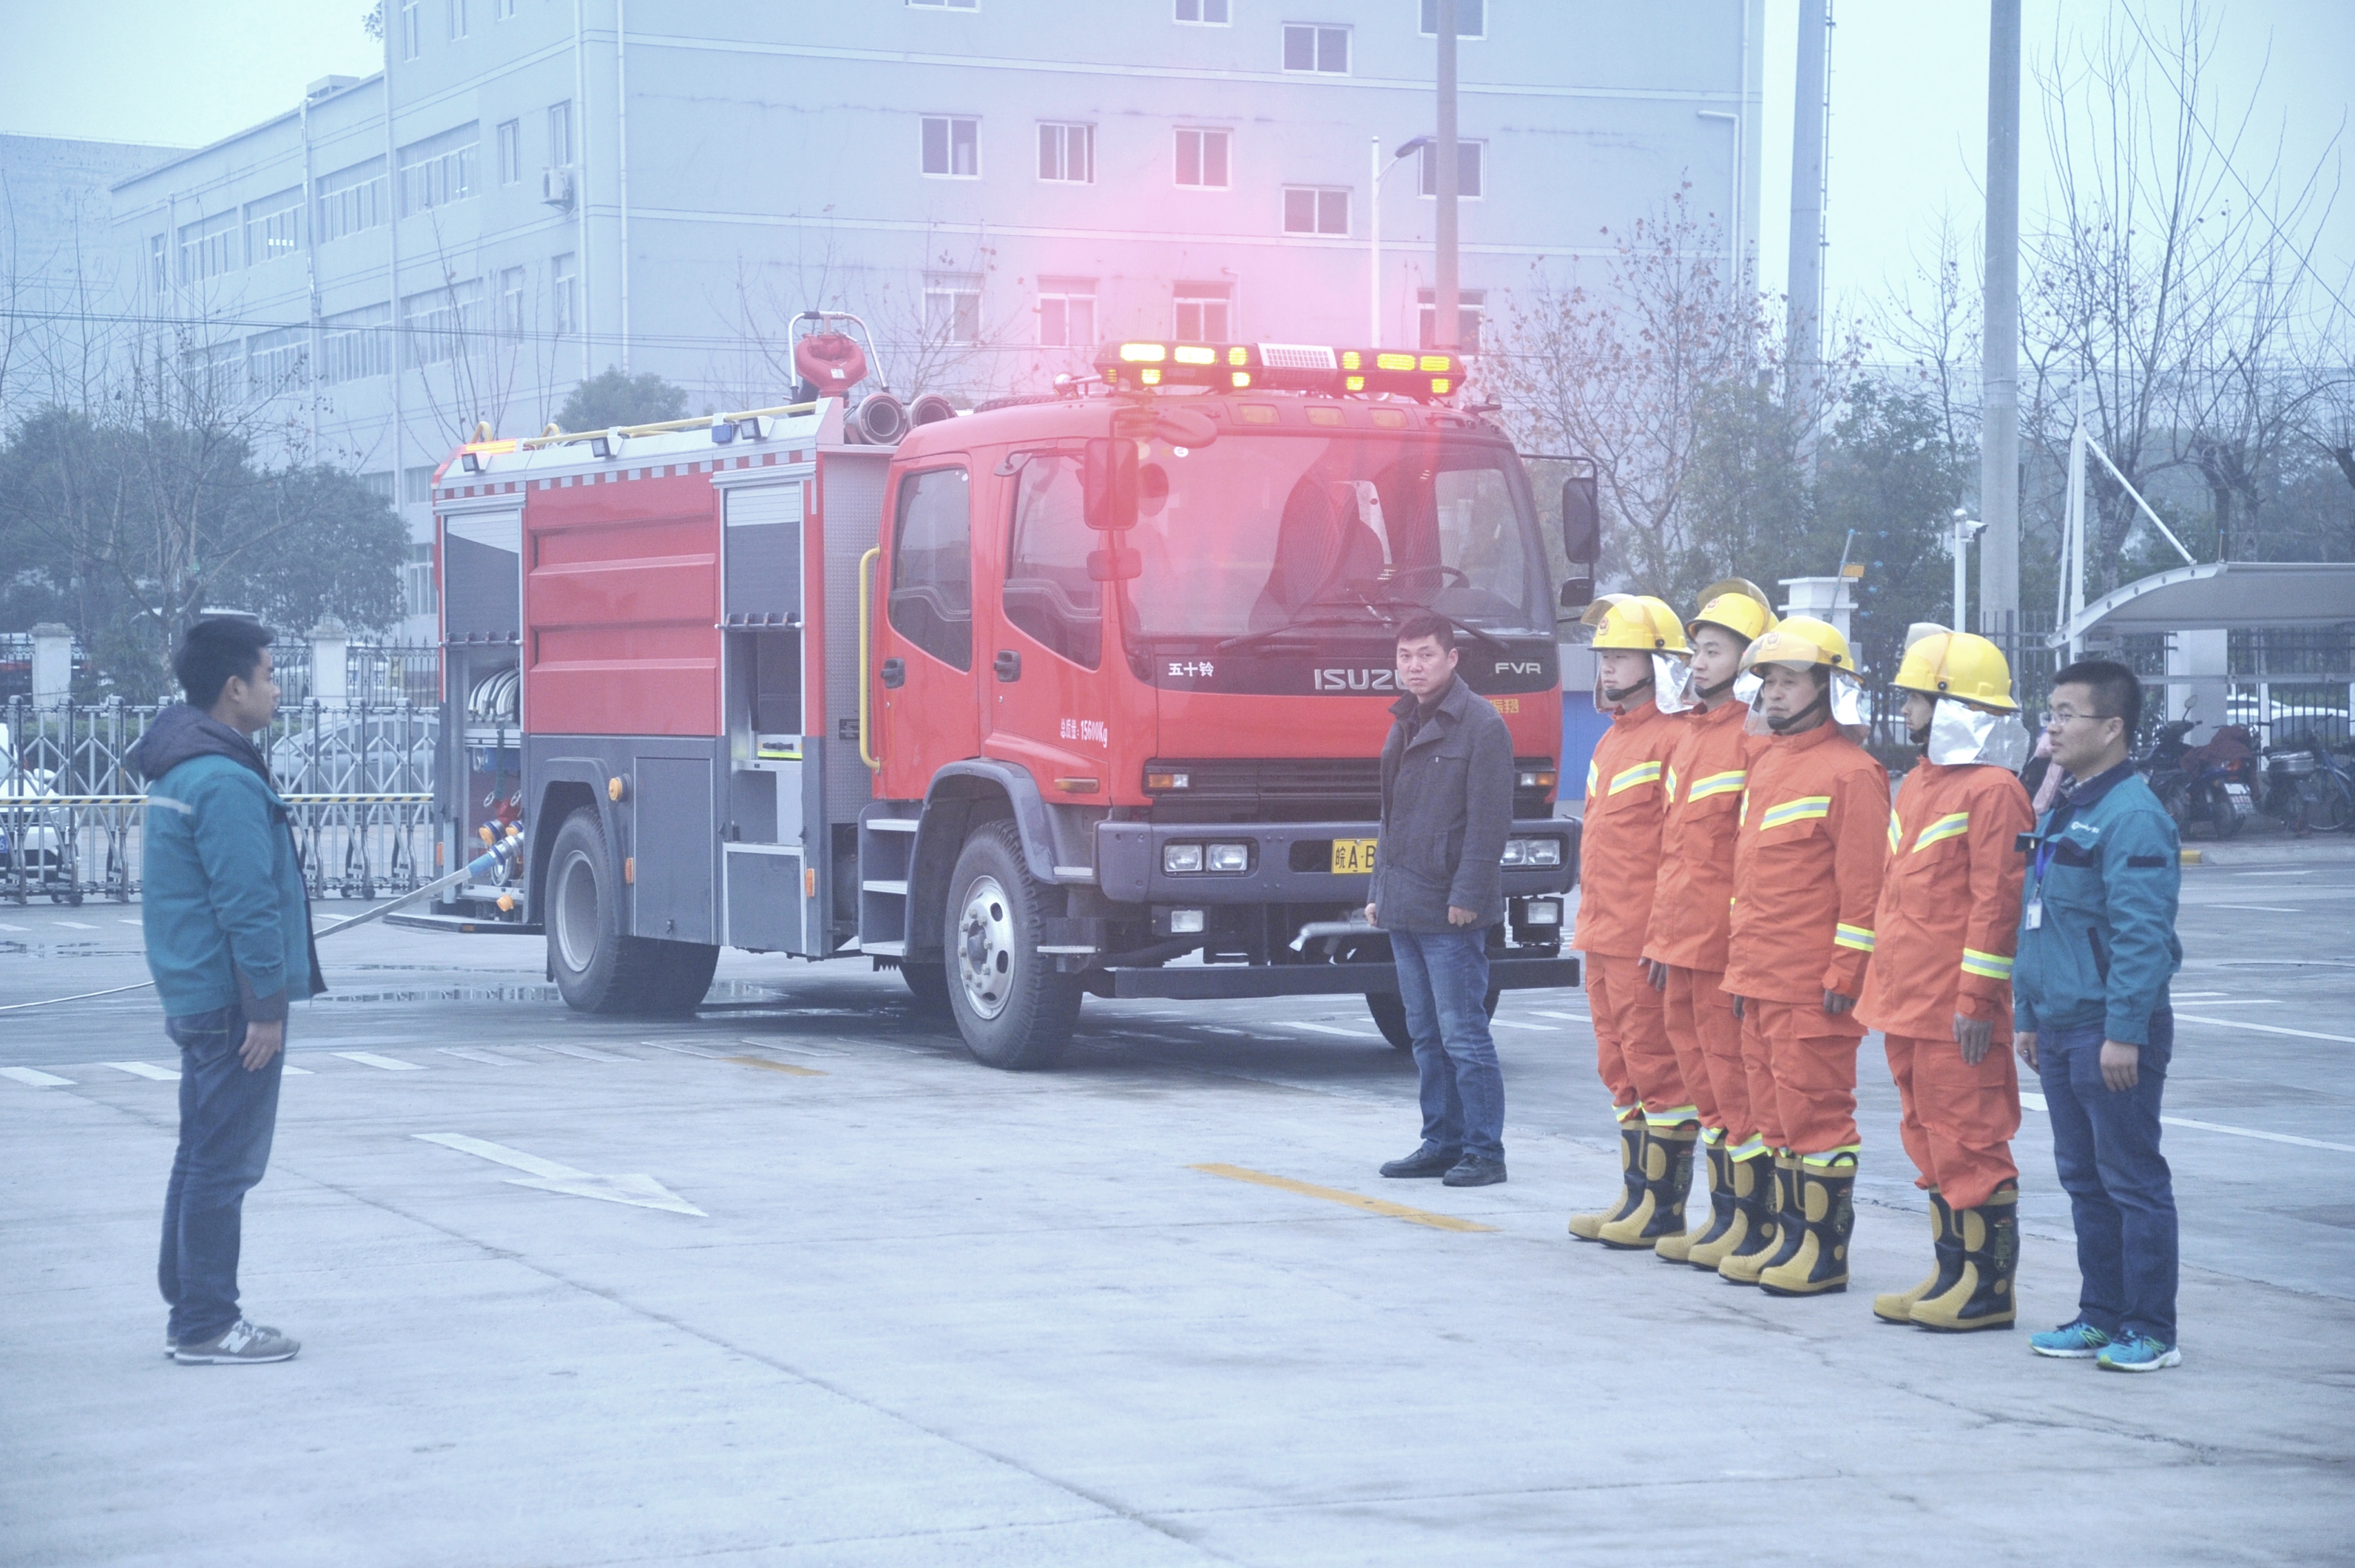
1890	475
609	399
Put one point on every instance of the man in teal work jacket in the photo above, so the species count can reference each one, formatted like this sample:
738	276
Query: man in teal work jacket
228	941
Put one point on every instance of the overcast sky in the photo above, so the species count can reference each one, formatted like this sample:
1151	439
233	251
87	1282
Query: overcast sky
1908	90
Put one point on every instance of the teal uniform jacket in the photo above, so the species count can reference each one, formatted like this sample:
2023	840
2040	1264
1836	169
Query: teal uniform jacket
2097	942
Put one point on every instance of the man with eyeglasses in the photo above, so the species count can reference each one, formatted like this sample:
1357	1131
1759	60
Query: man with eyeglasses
2091	1016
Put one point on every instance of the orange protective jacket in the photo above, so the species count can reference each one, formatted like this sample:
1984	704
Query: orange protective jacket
1949	911
1619	838
1692	899
1807	870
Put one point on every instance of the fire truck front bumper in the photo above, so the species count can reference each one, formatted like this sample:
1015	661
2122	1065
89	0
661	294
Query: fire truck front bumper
1293	862
1208	982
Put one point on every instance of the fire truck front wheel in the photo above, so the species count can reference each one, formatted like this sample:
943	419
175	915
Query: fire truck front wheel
1013	1009
1390	1016
598	969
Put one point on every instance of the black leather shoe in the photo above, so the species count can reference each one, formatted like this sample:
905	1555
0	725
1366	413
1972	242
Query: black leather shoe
1426	1161
1474	1171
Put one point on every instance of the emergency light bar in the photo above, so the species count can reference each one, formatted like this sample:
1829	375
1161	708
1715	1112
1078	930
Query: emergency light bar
1281	367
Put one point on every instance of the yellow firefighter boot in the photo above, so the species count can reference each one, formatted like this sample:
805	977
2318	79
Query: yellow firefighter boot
1589	1227
1747	1184
1666	1161
1826	1216
1897	1306
1780	1197
1988	1240
1678	1249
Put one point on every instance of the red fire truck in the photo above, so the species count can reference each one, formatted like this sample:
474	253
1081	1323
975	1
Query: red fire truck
1080	693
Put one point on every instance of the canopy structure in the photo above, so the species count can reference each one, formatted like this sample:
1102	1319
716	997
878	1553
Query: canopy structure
2224	595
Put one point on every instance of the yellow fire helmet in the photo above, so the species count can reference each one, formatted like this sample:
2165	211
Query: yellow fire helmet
1940	662
1739	605
1635	623
1801	640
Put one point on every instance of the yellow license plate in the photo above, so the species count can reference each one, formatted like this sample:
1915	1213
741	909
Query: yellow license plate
1353	857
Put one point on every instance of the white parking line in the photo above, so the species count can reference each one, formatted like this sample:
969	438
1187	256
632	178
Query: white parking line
2036	1102
146	1070
126	920
1329	1029
2220	1001
291	1071
2267	1029
1515	1023
388	1064
6	926
1566	1018
34	1076
2261	908
78	925
482	1056
582	1051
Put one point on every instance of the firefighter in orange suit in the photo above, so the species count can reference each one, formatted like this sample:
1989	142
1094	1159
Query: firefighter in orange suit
1639	648
1684	949
1940	985
1807	859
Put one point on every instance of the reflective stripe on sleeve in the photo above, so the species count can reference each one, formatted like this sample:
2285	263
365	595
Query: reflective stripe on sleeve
1594	779
1672	786
1717	784
1802	809
1953	825
1987	966
1896	833
1856	936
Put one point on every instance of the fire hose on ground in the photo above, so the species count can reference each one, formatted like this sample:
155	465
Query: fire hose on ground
483	865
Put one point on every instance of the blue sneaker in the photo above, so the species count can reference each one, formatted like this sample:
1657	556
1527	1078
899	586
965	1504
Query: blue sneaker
2139	1353
2075	1341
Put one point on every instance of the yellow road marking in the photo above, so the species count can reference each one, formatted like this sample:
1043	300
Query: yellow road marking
779	1066
1335	1195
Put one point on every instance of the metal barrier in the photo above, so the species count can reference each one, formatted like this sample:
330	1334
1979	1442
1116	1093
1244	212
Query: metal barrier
360	777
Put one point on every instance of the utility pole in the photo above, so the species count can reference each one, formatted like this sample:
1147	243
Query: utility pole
1807	277
1999	362
1444	294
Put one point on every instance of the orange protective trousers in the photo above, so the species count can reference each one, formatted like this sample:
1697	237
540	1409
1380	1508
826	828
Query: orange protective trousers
1631	1038
1958	1120
1708	1041
1811	1055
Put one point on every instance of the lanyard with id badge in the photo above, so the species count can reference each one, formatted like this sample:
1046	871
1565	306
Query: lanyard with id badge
2031	913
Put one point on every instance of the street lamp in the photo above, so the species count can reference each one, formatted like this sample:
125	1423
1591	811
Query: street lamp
1966	529
1374	234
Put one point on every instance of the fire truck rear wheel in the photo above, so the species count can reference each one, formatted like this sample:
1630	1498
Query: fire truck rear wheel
1013	1009
598	968
1390	1016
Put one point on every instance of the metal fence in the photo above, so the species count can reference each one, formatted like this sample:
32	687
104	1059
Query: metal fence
359	776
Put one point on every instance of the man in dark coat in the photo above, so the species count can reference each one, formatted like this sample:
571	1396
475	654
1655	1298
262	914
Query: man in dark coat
1438	886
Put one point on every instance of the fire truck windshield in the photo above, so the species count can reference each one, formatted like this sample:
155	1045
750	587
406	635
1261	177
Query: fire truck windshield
1266	530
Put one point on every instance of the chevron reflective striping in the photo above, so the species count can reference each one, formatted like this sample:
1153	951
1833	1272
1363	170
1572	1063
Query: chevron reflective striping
1953	825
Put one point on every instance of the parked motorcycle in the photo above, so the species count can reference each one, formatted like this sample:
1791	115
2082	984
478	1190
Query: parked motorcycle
2223	772
2161	765
2308	787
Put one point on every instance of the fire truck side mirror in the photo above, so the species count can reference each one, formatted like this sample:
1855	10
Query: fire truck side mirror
1581	519
1109	484
1577	592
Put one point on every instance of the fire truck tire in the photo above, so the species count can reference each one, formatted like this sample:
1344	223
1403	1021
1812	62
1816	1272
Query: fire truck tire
1390	1016
1013	1009
598	969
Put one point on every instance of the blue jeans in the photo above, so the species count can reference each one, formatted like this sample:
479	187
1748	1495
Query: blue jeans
226	1117
1444	982
2121	1194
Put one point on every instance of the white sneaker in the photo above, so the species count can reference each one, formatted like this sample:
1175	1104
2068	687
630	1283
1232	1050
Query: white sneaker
241	1343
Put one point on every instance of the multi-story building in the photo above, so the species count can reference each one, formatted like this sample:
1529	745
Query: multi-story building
531	191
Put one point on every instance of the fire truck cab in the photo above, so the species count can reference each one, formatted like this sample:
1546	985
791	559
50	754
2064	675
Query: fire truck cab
1082	693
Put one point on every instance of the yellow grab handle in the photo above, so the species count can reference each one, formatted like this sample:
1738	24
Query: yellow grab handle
866	754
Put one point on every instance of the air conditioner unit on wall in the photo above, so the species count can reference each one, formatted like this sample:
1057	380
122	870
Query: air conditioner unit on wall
556	186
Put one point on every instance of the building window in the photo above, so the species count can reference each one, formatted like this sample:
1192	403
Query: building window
952	308
1310	210
564	288
274	226
439	169
1470	161
412	28
417	581
560	133
457	12
379	485
509	304
1471	306
1068	152
1206	13
1201	315
353	345
932	565
1324	49
1471	18
277	362
442	326
417	485
1202	158
510	151
351	199
214	375
1067	312
159	277
952	146
506	10
207	247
